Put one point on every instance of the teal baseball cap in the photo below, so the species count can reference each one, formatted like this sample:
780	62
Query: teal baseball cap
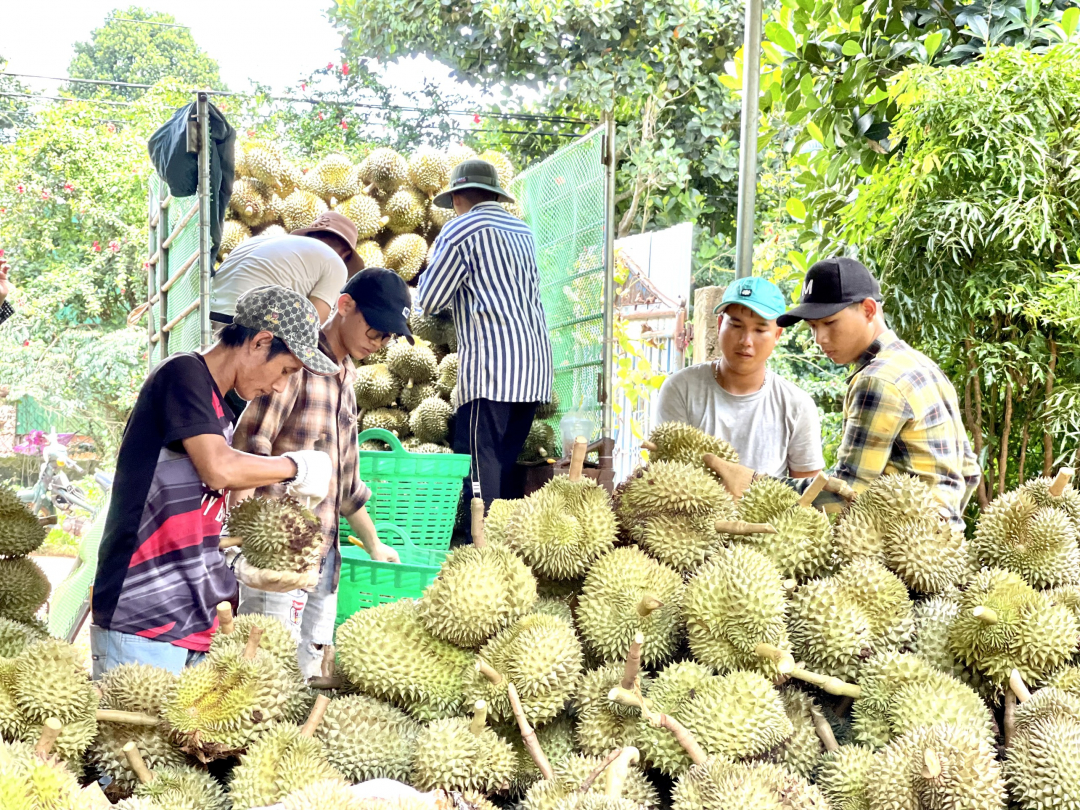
758	294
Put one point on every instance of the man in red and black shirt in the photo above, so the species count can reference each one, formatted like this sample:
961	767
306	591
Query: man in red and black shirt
160	573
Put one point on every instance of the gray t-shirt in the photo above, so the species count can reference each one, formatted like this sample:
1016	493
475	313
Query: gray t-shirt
775	430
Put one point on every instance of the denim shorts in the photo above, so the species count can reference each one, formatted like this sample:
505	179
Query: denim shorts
111	648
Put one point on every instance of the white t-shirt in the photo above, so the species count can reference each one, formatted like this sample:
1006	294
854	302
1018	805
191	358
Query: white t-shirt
297	263
775	430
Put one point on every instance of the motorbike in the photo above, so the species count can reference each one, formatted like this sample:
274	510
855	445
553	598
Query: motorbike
54	493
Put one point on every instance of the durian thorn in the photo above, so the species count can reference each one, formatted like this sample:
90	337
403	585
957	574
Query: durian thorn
47	739
95	797
137	763
633	662
230	542
1061	482
648	604
1019	688
985	615
528	735
477	508
742	528
931	764
254	637
127	718
225	618
1010	716
577	457
834	686
785	661
816	486
479	717
599	769
650	446
326	667
494	677
823	729
316	716
615	778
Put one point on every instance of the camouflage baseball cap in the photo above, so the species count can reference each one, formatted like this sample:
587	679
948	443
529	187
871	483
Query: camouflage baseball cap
289	316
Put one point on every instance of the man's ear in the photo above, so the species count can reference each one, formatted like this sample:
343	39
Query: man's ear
345	304
262	340
870	308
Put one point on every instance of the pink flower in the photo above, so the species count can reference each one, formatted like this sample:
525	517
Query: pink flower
329	65
68	187
25	343
321	116
344	68
20	188
303	86
44	194
344	124
476	118
114	246
3	210
96	247
111	127
1	253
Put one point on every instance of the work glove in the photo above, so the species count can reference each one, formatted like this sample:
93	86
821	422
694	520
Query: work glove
313	471
262	579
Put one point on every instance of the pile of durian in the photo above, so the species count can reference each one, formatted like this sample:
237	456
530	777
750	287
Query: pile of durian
386	195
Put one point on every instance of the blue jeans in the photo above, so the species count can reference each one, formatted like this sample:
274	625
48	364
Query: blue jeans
111	648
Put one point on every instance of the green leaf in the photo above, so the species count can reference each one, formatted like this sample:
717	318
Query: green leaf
852	48
781	36
796	208
933	42
877	96
815	132
1069	19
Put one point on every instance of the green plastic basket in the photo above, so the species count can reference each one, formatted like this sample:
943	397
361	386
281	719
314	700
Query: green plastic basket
365	583
417	492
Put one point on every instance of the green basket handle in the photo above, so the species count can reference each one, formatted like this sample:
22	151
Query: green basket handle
383	435
393	528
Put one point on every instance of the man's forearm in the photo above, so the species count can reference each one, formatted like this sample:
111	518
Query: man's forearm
363	528
245	471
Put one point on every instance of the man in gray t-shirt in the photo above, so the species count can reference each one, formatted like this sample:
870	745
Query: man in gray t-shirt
772	424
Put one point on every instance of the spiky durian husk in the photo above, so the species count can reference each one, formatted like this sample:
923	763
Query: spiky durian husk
556	740
329	793
448	374
802	751
503	167
430	421
233	233
413	364
405	255
281	761
30	782
541	443
405	211
251	202
436	329
333	178
410	398
23	588
278	533
393	419
571	773
371	252
20	532
1038	543
450	756
458	153
17	636
367	739
301	208
366	215
677	441
498	516
802	546
375	387
931	642
183	788
1038	489
1042	765
928	554
844	775
385	169
429	170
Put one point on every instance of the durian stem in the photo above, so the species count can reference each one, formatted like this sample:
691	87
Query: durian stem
528	736
840	487
135	760
736	478
96	797
834	686
599	769
333	682
326	668
790	584
650	446
615	778
824	730
742	528
1010	716
225	618
493	677
931	764
785	662
985	615
316	716
1061	482
1019	688
682	736
626	697
648	604
577	457
478	523
230	542
843	706
479	717
127	718
47	739
254	637
633	662
816	486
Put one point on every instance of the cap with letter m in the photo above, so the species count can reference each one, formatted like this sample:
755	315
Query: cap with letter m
830	286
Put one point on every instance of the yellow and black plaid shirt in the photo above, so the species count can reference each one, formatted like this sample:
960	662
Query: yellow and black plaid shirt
901	415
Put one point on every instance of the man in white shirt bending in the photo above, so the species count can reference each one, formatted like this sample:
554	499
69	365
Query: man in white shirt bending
772	424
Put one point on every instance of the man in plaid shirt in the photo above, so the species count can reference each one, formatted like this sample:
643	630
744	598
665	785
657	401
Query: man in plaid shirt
319	413
901	413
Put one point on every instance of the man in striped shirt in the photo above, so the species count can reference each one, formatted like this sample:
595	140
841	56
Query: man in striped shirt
484	269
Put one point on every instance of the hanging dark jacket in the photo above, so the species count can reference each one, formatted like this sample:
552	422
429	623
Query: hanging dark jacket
180	168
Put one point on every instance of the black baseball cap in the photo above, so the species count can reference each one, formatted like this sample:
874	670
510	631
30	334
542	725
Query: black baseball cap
829	286
384	299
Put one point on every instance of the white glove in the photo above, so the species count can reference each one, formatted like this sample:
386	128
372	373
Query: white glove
274	581
313	473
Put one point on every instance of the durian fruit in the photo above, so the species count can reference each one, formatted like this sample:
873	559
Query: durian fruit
50	681
183	787
448	374
371	252
459	153
541	655
375	387
31	782
387	653
1004	624
23	588
801	545
221	705
300	209
385	169
550	409
459	753
430	422
410	398
937	766
677	441
571	774
503	167
20	532
133	688
803	750
429	170
233	233
627	592
602	724
251	202
889	501
17	636
498	516
413	364
329	793
284	759
333	178
267	163
278	533
933	616
844	775
366	215
367	739
733	603
435	329
717	785
1042	761
393	419
1056	493
836	622
562	528
928	554
436	220
272	230
1038	543
405	211
556	740
541	442
405	255
479	591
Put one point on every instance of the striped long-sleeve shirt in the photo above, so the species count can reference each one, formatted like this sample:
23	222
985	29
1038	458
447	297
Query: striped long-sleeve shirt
484	270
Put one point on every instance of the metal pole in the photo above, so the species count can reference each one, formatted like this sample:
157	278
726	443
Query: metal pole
609	277
163	269
203	110
744	228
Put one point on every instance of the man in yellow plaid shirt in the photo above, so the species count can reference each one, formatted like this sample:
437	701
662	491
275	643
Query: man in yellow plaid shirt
901	413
